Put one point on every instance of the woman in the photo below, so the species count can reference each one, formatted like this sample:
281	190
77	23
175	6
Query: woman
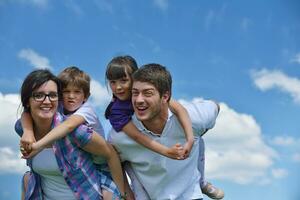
65	170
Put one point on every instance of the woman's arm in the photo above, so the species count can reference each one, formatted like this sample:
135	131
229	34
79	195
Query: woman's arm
174	152
185	122
98	146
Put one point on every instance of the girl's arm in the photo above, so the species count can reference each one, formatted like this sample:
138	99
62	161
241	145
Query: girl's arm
174	152
98	146
28	135
185	122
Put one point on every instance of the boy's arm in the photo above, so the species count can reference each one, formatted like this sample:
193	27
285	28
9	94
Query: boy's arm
174	152
59	132
185	122
28	135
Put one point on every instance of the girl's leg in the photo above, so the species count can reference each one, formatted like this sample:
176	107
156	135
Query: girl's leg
201	161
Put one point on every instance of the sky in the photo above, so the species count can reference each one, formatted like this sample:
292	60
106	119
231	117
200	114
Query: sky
243	54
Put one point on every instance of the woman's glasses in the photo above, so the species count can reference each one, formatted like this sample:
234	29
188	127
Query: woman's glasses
40	96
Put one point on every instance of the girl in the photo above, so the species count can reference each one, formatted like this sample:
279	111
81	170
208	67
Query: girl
120	110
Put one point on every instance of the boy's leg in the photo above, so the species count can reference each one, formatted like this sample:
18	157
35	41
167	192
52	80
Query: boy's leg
207	188
25	180
107	195
137	187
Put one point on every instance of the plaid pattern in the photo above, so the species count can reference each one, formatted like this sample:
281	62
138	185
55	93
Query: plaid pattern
75	164
106	181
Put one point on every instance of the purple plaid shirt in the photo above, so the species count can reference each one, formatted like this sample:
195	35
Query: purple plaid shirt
75	164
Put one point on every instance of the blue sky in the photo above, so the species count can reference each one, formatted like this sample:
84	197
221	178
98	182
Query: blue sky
245	55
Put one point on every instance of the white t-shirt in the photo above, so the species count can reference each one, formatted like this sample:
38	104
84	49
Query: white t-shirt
88	113
162	177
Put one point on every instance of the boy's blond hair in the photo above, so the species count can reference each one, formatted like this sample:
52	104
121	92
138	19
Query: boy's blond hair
74	76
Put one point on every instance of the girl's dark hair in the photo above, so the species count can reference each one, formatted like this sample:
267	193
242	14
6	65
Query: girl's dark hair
117	68
33	81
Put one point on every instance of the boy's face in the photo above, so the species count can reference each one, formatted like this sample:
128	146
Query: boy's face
73	98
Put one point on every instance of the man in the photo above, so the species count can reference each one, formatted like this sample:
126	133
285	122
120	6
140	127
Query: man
161	177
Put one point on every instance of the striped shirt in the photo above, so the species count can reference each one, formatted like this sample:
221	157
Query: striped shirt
75	164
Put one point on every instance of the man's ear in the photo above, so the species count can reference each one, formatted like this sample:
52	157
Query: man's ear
166	97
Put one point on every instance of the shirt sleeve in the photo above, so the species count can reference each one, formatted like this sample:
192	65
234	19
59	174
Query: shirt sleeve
118	120
88	113
203	114
80	136
19	128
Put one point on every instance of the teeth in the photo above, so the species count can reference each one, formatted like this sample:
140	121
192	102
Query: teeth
47	109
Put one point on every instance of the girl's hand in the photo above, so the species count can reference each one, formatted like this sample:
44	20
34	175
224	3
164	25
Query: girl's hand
26	140
176	152
187	148
33	150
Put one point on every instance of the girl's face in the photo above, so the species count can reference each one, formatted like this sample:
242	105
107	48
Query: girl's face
121	88
44	101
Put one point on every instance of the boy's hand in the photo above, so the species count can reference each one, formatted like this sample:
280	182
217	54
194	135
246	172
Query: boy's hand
176	152
33	150
187	148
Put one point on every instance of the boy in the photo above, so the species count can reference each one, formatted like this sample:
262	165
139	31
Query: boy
76	90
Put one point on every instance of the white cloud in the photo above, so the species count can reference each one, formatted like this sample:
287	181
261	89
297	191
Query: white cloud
35	59
279	173
104	5
296	58
246	22
9	105
296	157
214	17
266	79
11	161
72	5
235	149
162	4
283	140
37	3
99	94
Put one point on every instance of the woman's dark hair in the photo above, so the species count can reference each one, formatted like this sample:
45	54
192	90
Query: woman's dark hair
33	81
117	68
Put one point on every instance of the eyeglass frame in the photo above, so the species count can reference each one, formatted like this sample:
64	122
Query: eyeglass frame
33	95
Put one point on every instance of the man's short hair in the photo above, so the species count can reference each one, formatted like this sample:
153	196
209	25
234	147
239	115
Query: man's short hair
156	75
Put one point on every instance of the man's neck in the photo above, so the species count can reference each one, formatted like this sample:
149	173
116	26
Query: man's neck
157	124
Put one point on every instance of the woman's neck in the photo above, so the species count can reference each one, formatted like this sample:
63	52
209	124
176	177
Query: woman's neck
41	128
